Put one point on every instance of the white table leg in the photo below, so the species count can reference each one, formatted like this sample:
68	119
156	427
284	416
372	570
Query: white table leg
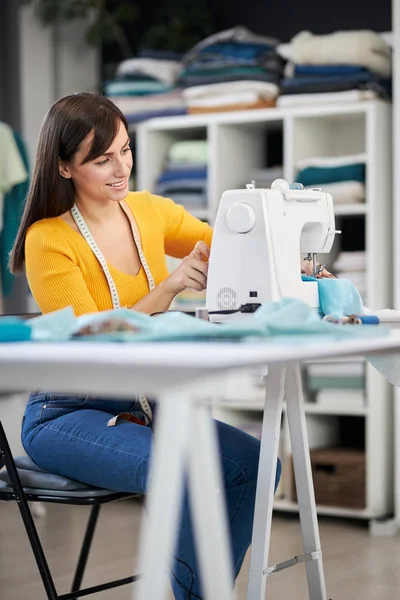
304	483
266	483
208	508
165	492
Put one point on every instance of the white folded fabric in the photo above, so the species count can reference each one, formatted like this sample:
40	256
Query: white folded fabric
226	99
364	48
129	104
351	261
163	70
343	192
264	89
325	98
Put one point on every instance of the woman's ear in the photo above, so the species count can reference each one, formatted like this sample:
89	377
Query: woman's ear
64	169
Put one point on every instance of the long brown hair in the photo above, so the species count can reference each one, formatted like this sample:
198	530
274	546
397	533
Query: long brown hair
67	123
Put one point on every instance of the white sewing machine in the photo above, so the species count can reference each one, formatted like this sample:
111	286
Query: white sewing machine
259	235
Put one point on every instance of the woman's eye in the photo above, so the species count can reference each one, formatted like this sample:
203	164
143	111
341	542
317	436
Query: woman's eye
102	162
125	150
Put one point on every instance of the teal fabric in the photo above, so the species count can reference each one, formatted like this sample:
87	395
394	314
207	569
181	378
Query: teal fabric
14	202
320	175
338	297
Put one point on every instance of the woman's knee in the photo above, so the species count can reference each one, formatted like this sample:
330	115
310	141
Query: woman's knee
240	456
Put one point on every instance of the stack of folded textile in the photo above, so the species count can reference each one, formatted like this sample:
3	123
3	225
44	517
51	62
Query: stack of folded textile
352	266
145	86
342	66
231	70
343	177
184	178
336	385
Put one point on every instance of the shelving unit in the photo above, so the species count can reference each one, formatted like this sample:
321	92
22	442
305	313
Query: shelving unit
238	144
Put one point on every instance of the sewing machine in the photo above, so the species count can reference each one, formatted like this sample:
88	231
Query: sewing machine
259	235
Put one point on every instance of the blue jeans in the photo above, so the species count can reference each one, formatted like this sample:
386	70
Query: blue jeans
69	436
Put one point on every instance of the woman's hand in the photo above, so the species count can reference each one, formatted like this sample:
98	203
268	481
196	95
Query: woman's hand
191	273
307	269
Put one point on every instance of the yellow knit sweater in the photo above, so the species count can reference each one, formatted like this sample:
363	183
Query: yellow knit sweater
63	271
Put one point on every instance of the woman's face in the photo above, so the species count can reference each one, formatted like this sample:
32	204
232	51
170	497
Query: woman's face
106	177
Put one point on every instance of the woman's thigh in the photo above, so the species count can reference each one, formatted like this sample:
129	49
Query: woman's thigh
81	446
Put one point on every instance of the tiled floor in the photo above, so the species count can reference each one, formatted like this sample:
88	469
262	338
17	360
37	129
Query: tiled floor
357	566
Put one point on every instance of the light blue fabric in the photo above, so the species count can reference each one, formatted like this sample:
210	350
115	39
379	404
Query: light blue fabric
338	297
290	317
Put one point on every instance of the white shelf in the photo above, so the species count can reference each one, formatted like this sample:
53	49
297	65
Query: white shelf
238	145
334	511
351	209
309	407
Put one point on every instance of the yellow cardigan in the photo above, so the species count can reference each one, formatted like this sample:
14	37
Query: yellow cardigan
63	271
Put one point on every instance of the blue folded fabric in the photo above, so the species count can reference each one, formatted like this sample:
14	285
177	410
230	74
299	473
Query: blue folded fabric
190	172
137	117
328	70
338	297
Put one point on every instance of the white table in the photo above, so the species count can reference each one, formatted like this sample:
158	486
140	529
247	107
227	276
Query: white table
182	376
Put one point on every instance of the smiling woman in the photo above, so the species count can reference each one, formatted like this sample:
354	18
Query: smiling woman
84	236
89	243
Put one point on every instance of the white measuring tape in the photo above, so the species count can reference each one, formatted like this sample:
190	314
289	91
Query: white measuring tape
85	231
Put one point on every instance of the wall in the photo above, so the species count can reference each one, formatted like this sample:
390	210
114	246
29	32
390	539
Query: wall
54	61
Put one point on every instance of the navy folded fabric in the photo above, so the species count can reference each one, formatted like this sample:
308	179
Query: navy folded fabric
328	70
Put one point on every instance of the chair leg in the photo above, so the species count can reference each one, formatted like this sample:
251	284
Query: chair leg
26	515
84	553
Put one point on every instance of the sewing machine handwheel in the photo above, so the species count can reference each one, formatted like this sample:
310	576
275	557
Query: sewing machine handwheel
241	218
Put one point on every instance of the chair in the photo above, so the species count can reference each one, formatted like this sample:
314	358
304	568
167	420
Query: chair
88	496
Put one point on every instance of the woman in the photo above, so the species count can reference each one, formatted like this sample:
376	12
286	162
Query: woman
88	243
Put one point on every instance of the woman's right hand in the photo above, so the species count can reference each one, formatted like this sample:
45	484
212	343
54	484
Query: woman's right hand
191	273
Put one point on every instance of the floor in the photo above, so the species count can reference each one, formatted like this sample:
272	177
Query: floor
357	566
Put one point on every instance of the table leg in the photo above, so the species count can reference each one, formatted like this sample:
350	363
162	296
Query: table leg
208	508
304	482
266	483
159	531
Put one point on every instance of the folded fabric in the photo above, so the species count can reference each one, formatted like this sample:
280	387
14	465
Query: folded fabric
262	103
126	87
162	101
138	117
188	151
364	48
166	71
352	95
305	85
32	476
354	261
225	99
237	34
264	89
327	70
192	172
196	80
338	297
331	161
344	192
310	176
179	185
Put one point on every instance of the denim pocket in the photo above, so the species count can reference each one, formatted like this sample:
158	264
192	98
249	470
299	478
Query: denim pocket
65	401
58	405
